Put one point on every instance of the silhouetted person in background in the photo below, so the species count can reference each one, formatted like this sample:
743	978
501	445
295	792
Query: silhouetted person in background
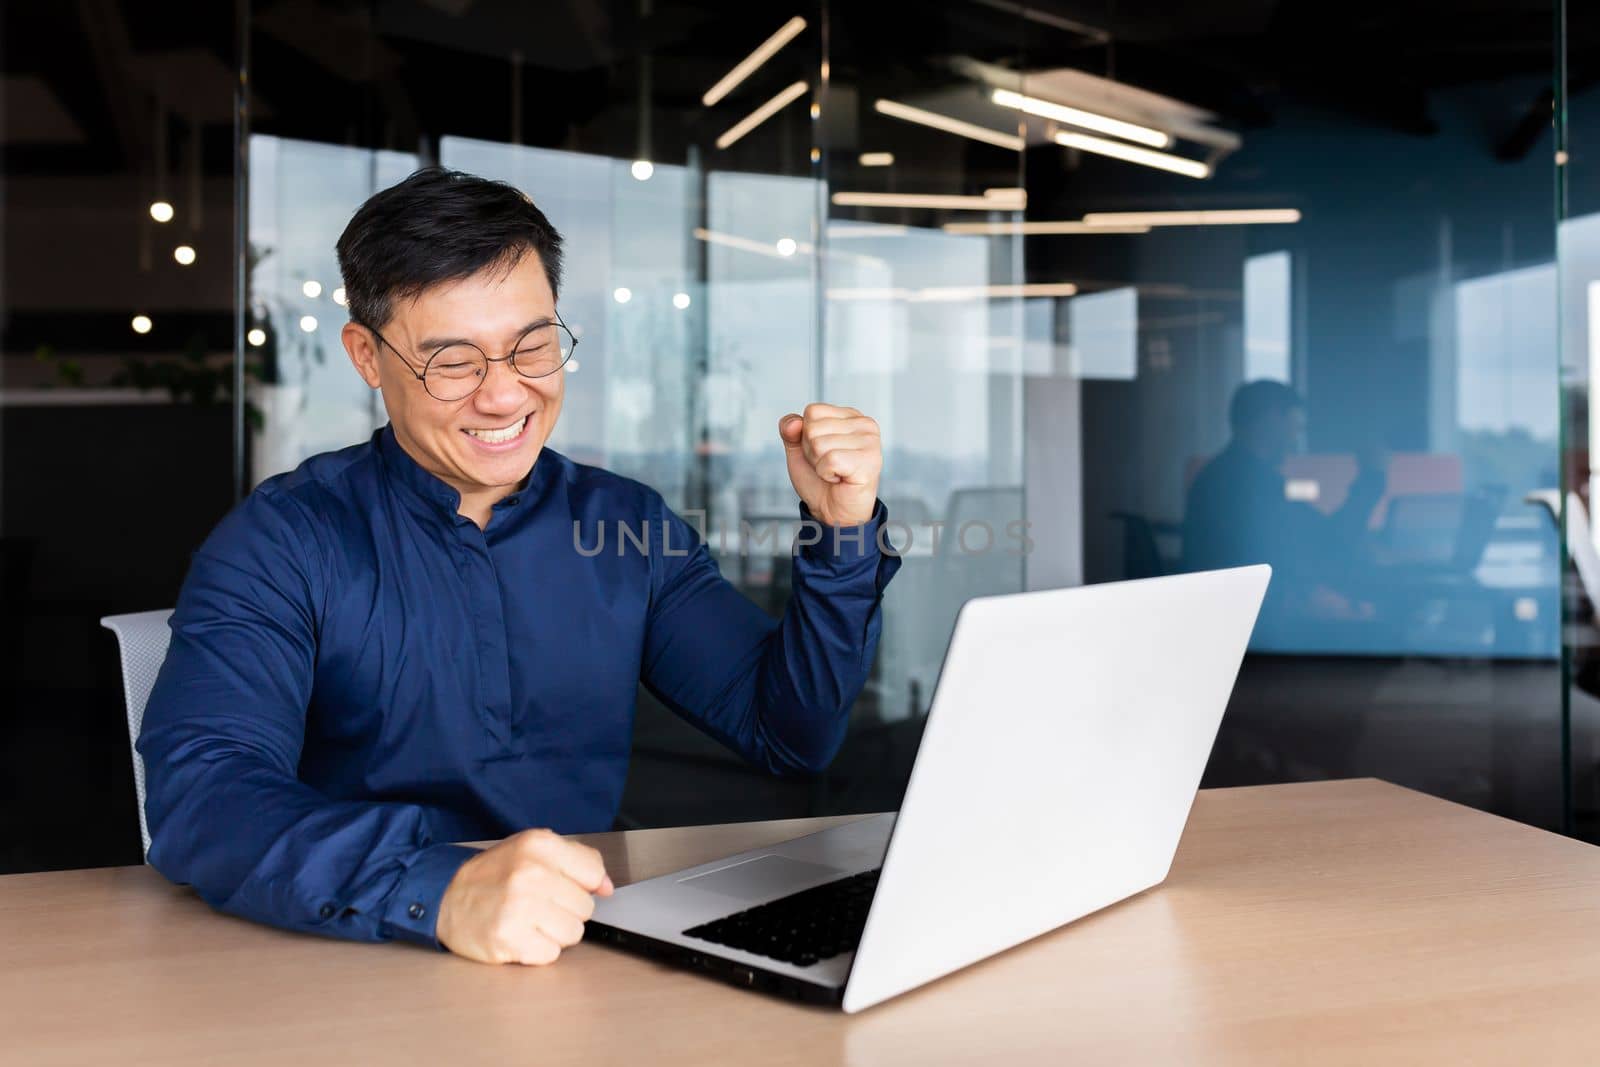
1238	512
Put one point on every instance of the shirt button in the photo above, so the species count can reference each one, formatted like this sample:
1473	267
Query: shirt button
326	911
416	911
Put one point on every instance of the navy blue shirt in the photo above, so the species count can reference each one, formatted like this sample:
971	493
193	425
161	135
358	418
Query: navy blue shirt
359	675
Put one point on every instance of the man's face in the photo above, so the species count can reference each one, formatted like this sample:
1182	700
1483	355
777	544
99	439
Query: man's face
493	309
1280	434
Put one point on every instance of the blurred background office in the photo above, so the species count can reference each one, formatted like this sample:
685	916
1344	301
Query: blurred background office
1176	285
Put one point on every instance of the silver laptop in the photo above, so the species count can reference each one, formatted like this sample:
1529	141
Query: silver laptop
1062	753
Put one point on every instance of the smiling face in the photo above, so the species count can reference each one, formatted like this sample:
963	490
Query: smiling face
485	445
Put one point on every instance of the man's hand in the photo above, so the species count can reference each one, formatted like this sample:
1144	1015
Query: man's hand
523	900
835	457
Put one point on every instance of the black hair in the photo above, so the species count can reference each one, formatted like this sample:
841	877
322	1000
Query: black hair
1255	400
437	226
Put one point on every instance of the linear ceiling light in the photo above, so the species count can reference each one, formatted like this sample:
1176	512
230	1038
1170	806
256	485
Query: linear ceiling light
995	292
877	159
1192	218
1010	201
762	114
745	244
783	248
1149	157
946	294
949	125
1040	228
748	65
1089	120
845	231
866	293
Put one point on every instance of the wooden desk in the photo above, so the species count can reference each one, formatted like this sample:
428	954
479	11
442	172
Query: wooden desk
1339	922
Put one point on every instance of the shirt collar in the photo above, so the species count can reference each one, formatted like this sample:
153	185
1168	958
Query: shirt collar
402	468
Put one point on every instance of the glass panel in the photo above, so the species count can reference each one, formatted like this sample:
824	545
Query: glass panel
761	315
926	328
1060	405
1578	243
699	245
1054	404
1349	377
305	397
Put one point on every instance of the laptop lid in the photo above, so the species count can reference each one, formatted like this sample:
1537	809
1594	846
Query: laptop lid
1063	749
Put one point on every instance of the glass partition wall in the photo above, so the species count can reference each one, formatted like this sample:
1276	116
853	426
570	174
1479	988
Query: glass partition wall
1573	501
1130	292
1130	289
1340	358
703	164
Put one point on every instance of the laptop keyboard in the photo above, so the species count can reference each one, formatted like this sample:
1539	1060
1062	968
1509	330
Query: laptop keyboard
802	928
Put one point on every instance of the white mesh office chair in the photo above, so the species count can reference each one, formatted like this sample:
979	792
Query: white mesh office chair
1580	543
142	639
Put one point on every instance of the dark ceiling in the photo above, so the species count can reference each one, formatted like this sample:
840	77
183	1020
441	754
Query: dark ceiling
105	86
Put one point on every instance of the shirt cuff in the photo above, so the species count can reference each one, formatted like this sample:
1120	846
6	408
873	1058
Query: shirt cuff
413	910
843	545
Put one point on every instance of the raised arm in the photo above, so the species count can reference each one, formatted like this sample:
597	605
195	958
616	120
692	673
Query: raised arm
779	692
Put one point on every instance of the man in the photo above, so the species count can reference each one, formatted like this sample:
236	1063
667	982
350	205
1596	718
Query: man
400	645
1238	512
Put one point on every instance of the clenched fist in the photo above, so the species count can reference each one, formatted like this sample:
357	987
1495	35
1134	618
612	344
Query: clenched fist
523	900
835	457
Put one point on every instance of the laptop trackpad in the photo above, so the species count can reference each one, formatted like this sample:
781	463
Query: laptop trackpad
763	876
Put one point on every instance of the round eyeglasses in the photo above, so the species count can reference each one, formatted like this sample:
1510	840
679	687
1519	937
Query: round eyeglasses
456	370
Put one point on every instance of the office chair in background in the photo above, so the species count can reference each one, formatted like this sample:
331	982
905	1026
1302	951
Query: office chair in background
1580	545
1141	545
142	639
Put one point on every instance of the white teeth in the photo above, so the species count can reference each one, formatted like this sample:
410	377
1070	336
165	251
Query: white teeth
495	437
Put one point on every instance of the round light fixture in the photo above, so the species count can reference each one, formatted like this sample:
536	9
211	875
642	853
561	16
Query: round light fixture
161	211
622	294
308	323
680	300
572	366
257	337
142	324
184	254
312	289
642	169
787	246
338	296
